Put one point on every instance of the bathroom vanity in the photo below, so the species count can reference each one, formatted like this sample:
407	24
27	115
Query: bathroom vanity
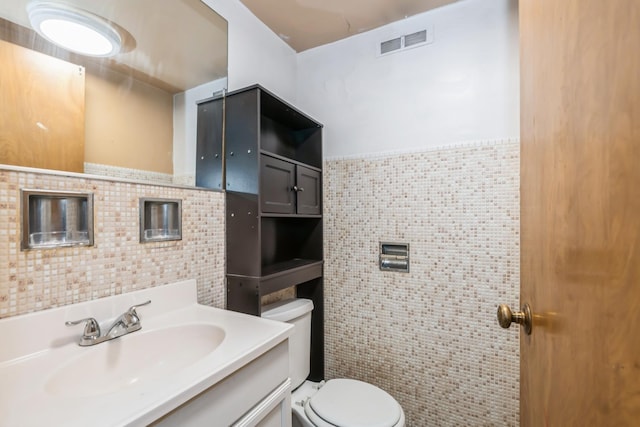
189	365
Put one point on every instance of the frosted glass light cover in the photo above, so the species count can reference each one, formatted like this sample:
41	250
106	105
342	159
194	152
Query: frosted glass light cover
74	29
76	37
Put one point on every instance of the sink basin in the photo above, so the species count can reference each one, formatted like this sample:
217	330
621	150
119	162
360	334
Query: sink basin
141	356
184	351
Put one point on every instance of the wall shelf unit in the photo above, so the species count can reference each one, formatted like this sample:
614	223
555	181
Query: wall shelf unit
273	181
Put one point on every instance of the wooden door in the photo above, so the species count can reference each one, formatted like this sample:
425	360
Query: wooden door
580	212
41	110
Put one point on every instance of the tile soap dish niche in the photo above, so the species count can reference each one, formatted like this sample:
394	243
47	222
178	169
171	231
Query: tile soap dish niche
394	257
53	219
160	220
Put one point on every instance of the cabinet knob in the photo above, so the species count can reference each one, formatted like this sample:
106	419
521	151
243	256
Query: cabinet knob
296	188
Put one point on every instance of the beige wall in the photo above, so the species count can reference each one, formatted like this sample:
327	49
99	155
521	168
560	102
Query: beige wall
128	123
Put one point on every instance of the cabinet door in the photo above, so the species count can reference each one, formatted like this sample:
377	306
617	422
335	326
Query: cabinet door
309	191
277	179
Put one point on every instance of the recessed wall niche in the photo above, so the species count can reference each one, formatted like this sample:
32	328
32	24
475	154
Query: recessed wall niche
53	219
160	220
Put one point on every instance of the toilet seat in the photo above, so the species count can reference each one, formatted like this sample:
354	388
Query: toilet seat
352	403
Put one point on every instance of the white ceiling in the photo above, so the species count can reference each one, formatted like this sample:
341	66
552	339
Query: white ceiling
305	24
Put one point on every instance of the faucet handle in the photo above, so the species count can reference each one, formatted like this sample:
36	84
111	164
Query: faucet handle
132	309
91	328
131	318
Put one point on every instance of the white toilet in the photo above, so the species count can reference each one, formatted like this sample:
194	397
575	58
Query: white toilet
338	402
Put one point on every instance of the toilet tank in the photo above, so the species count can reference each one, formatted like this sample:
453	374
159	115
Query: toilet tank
296	311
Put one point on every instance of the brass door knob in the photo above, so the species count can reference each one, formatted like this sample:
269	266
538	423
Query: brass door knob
524	318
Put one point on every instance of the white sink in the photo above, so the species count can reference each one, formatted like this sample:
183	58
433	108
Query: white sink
139	357
182	350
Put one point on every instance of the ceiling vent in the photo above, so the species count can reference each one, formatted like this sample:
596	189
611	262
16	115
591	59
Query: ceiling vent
407	41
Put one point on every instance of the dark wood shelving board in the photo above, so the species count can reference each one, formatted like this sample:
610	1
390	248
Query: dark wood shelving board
292	216
290	273
286	274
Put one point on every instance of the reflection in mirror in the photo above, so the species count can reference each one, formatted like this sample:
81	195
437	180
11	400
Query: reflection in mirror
132	115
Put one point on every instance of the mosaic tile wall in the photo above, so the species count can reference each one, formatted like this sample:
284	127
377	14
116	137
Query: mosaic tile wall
429	337
117	263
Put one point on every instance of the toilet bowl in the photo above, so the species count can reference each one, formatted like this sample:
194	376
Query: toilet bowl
337	402
344	403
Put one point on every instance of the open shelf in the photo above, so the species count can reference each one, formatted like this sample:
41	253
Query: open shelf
289	273
277	215
283	275
286	267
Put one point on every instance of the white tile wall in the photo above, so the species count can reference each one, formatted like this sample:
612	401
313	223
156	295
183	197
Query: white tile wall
429	337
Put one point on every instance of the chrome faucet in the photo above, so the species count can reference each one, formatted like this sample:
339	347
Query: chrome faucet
126	323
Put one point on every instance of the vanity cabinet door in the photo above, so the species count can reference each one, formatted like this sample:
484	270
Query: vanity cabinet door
277	180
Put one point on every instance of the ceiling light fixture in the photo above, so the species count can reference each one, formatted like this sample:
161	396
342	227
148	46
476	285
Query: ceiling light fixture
74	29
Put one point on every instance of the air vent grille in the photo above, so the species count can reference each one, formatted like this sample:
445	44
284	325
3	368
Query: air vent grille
390	45
415	38
418	38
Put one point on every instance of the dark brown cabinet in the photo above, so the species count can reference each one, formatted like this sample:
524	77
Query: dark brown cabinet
274	227
289	188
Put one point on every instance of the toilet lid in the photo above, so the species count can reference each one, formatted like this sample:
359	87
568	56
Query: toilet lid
352	403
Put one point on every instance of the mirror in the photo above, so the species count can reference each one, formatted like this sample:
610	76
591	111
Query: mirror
129	116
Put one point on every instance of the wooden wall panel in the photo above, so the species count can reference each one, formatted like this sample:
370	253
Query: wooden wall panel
41	110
